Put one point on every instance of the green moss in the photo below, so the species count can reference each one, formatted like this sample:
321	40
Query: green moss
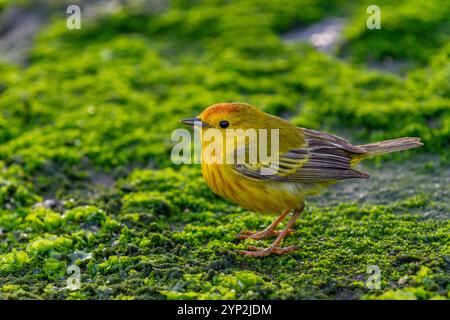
54	268
153	202
43	219
401	22
14	191
50	243
114	264
89	214
10	288
407	294
13	261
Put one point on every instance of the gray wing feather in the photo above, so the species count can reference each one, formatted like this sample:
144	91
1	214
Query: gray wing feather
325	158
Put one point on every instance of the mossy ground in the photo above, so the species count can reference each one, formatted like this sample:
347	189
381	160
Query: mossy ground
86	176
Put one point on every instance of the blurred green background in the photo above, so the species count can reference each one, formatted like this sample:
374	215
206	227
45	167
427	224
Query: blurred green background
85	123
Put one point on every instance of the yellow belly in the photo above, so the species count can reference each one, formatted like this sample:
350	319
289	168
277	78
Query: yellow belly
254	195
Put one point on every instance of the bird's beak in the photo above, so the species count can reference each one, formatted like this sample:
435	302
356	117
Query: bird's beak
195	122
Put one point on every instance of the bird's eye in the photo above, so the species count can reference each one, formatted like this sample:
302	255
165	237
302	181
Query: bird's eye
224	124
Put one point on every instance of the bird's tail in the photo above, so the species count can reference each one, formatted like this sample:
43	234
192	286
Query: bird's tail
387	146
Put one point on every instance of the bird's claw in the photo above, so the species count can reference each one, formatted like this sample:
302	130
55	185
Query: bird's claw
260	235
259	252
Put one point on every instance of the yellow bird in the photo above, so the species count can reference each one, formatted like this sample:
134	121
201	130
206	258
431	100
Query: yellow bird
308	160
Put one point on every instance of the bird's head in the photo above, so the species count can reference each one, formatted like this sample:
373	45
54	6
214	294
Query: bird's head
224	116
245	121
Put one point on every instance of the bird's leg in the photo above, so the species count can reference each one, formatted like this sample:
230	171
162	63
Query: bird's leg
274	247
267	232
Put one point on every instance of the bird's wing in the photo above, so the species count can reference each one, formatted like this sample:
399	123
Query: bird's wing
326	157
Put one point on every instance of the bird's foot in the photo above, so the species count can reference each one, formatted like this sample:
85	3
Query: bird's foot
260	234
259	252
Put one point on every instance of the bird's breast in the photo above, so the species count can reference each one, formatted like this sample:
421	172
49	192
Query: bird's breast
254	195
